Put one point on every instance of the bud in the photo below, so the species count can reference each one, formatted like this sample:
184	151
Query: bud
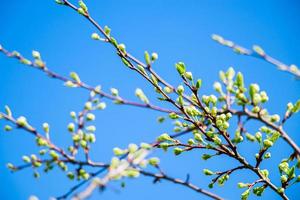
83	6
258	50
147	58
95	36
90	117
114	92
164	137
118	152
26	159
180	89
208	172
7	128
177	151
75	77
189	75
268	143
71	127
54	155
180	66
154	56
275	118
22	121
154	161
283	178
206	156
46	127
83	144
88	105
242	185
198	83
240	80
36	55
267	155
132	148
245	195
218	87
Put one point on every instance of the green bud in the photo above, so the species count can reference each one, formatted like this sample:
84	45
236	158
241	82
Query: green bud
240	80
118	152
164	137
283	178
90	117
268	143
22	121
88	105
70	84
265	173
7	128
250	137
245	194
132	173
180	66
46	127
8	111
242	185
83	6
208	172
101	106
154	56
146	146
258	50
275	118
26	159
198	83
83	144
206	156
154	161
218	87
132	148
95	36
114	92
180	89
258	136
267	155
280	190
168	90
91	128
107	30
140	94
70	175
177	151
71	127
147	58
75	77
189	75
54	155
173	115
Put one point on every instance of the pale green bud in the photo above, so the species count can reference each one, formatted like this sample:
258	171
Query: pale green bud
258	50
46	127
267	155
75	77
164	137
22	121
189	75
90	117
114	92
154	56
26	159
242	185
180	89
36	55
147	58
101	106
71	127
118	152
95	36
268	143
218	86
132	148
88	105
154	161
7	128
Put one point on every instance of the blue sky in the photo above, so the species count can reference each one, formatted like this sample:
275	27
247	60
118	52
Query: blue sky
179	31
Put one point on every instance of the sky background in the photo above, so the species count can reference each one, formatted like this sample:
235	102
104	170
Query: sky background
179	31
